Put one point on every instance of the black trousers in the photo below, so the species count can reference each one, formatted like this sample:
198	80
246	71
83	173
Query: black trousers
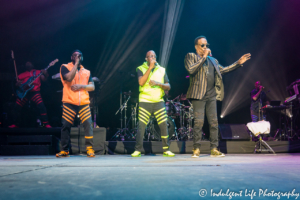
255	116
69	113
37	99
208	106
159	111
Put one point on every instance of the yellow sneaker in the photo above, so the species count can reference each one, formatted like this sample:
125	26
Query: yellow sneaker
62	154
90	153
196	153
168	154
215	153
136	154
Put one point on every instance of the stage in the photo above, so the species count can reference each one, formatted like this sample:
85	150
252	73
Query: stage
41	141
147	177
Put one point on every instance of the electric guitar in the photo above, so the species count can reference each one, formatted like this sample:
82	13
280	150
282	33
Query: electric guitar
27	86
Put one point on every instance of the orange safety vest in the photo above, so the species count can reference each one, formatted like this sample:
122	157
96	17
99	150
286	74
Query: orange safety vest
79	97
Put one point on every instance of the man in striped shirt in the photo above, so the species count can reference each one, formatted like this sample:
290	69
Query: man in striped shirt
206	87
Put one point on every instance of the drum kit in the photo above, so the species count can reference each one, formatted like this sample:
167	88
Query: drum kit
180	114
180	110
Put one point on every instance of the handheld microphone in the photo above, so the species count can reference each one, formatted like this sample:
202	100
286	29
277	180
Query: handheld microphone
154	67
80	57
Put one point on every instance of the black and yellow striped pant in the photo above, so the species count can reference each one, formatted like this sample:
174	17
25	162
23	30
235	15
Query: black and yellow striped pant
69	113
159	111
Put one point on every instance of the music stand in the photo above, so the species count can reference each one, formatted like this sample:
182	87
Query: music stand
258	129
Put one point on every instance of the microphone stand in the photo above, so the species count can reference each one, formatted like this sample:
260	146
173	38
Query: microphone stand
122	132
95	105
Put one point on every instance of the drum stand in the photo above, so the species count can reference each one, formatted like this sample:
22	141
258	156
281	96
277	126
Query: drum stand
134	126
292	132
260	143
150	130
190	121
122	132
181	130
175	135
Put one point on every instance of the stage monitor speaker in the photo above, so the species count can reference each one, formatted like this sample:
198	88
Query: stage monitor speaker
234	132
78	141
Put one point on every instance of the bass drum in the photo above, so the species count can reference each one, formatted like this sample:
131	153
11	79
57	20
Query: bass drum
171	129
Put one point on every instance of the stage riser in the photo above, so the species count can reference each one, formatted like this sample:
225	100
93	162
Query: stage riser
45	139
34	141
26	150
29	145
46	142
186	147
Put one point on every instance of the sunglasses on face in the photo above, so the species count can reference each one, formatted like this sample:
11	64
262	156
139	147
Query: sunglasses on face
152	56
203	45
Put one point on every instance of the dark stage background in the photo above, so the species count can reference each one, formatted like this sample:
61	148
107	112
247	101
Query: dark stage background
115	35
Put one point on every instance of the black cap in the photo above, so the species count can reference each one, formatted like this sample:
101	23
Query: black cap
77	51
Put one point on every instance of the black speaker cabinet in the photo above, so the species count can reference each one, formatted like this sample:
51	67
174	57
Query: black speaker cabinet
78	140
234	132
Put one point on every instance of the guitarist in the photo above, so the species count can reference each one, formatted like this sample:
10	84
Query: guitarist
33	95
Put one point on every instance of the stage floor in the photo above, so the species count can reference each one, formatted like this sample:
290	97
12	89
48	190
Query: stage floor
147	177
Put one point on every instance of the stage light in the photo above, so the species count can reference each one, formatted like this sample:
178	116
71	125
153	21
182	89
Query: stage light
127	45
173	9
221	116
261	68
123	47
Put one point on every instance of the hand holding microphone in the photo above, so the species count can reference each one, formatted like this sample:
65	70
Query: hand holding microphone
207	52
78	58
261	87
152	64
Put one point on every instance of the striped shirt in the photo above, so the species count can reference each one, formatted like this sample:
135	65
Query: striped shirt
194	64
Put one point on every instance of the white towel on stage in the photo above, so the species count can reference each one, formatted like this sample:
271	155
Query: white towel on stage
261	127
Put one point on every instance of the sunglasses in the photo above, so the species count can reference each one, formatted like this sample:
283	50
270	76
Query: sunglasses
152	56
203	45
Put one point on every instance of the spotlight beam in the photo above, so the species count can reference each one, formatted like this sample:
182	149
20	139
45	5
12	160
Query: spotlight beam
123	49
239	96
173	10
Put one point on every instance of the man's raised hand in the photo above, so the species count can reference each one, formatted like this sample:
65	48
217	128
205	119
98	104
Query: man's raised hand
244	58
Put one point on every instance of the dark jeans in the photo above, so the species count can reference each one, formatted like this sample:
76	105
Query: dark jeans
159	111
69	113
37	99
208	105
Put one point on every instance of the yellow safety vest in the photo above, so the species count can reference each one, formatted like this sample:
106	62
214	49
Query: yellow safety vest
152	94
